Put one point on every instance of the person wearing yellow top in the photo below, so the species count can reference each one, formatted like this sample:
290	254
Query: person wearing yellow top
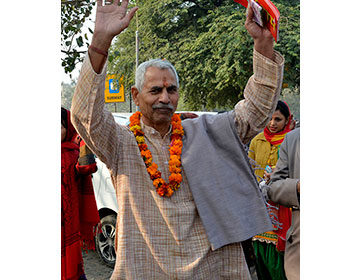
263	151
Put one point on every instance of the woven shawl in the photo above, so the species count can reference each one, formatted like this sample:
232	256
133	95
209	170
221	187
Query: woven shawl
221	180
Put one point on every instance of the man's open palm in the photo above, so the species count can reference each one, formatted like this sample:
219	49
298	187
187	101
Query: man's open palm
113	18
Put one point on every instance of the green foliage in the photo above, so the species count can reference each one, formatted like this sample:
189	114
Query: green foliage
289	43
216	64
205	40
208	44
74	13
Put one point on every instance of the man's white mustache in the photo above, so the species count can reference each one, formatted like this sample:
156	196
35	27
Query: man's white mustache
163	106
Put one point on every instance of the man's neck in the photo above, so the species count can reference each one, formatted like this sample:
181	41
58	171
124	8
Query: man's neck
162	128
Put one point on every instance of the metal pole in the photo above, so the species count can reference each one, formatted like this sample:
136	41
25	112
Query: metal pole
137	45
130	102
137	48
136	54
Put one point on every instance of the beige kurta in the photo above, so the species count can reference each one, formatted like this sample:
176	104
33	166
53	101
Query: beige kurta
157	238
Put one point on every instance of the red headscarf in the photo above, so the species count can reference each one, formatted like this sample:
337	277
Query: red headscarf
79	213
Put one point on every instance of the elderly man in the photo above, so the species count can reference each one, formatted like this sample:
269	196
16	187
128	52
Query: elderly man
186	193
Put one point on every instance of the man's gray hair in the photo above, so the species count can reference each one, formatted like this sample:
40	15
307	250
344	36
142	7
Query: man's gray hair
158	63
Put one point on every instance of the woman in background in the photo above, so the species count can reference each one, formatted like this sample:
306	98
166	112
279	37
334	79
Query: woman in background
264	148
79	213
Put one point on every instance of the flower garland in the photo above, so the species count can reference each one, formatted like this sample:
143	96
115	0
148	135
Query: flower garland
175	178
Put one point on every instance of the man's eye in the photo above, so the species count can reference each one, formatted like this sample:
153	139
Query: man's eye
155	91
172	89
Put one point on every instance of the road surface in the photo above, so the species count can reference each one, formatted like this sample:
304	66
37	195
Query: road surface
94	269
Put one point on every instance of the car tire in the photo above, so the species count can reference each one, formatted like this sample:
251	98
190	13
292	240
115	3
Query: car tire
105	240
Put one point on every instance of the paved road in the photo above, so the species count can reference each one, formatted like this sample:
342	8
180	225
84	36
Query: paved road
94	269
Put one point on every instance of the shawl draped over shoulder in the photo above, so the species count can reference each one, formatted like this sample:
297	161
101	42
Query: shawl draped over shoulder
221	180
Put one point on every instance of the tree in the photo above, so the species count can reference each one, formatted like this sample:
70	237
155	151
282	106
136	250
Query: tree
208	44
289	43
205	40
74	13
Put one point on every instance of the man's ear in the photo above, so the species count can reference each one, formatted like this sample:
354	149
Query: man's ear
134	93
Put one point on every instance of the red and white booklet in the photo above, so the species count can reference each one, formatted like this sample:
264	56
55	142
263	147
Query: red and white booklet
265	11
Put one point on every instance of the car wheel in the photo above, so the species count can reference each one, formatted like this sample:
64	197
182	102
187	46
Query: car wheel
105	241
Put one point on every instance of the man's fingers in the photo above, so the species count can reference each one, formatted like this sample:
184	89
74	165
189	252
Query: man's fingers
249	13
101	3
128	17
131	13
124	3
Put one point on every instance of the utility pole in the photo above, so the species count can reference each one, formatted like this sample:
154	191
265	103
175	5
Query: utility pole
136	55
136	47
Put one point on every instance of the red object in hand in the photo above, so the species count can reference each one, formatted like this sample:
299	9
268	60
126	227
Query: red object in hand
242	2
273	15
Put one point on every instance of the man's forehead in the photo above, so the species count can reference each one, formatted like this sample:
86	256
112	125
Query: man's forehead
158	75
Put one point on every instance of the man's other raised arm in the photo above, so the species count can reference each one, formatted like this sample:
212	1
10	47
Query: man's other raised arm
264	86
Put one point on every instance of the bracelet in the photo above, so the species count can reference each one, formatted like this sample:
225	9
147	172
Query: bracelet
104	53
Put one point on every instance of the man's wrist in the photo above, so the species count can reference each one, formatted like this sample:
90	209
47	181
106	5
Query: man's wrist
99	51
101	42
265	47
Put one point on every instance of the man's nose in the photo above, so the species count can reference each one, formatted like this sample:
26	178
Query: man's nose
164	96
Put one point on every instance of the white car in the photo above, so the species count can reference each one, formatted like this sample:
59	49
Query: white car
106	202
103	188
107	205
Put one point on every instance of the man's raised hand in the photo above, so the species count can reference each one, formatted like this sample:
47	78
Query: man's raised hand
111	20
263	40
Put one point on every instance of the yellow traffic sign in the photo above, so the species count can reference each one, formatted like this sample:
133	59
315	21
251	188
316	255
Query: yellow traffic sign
114	89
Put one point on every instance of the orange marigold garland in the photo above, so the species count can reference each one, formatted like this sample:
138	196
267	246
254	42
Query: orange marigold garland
175	178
